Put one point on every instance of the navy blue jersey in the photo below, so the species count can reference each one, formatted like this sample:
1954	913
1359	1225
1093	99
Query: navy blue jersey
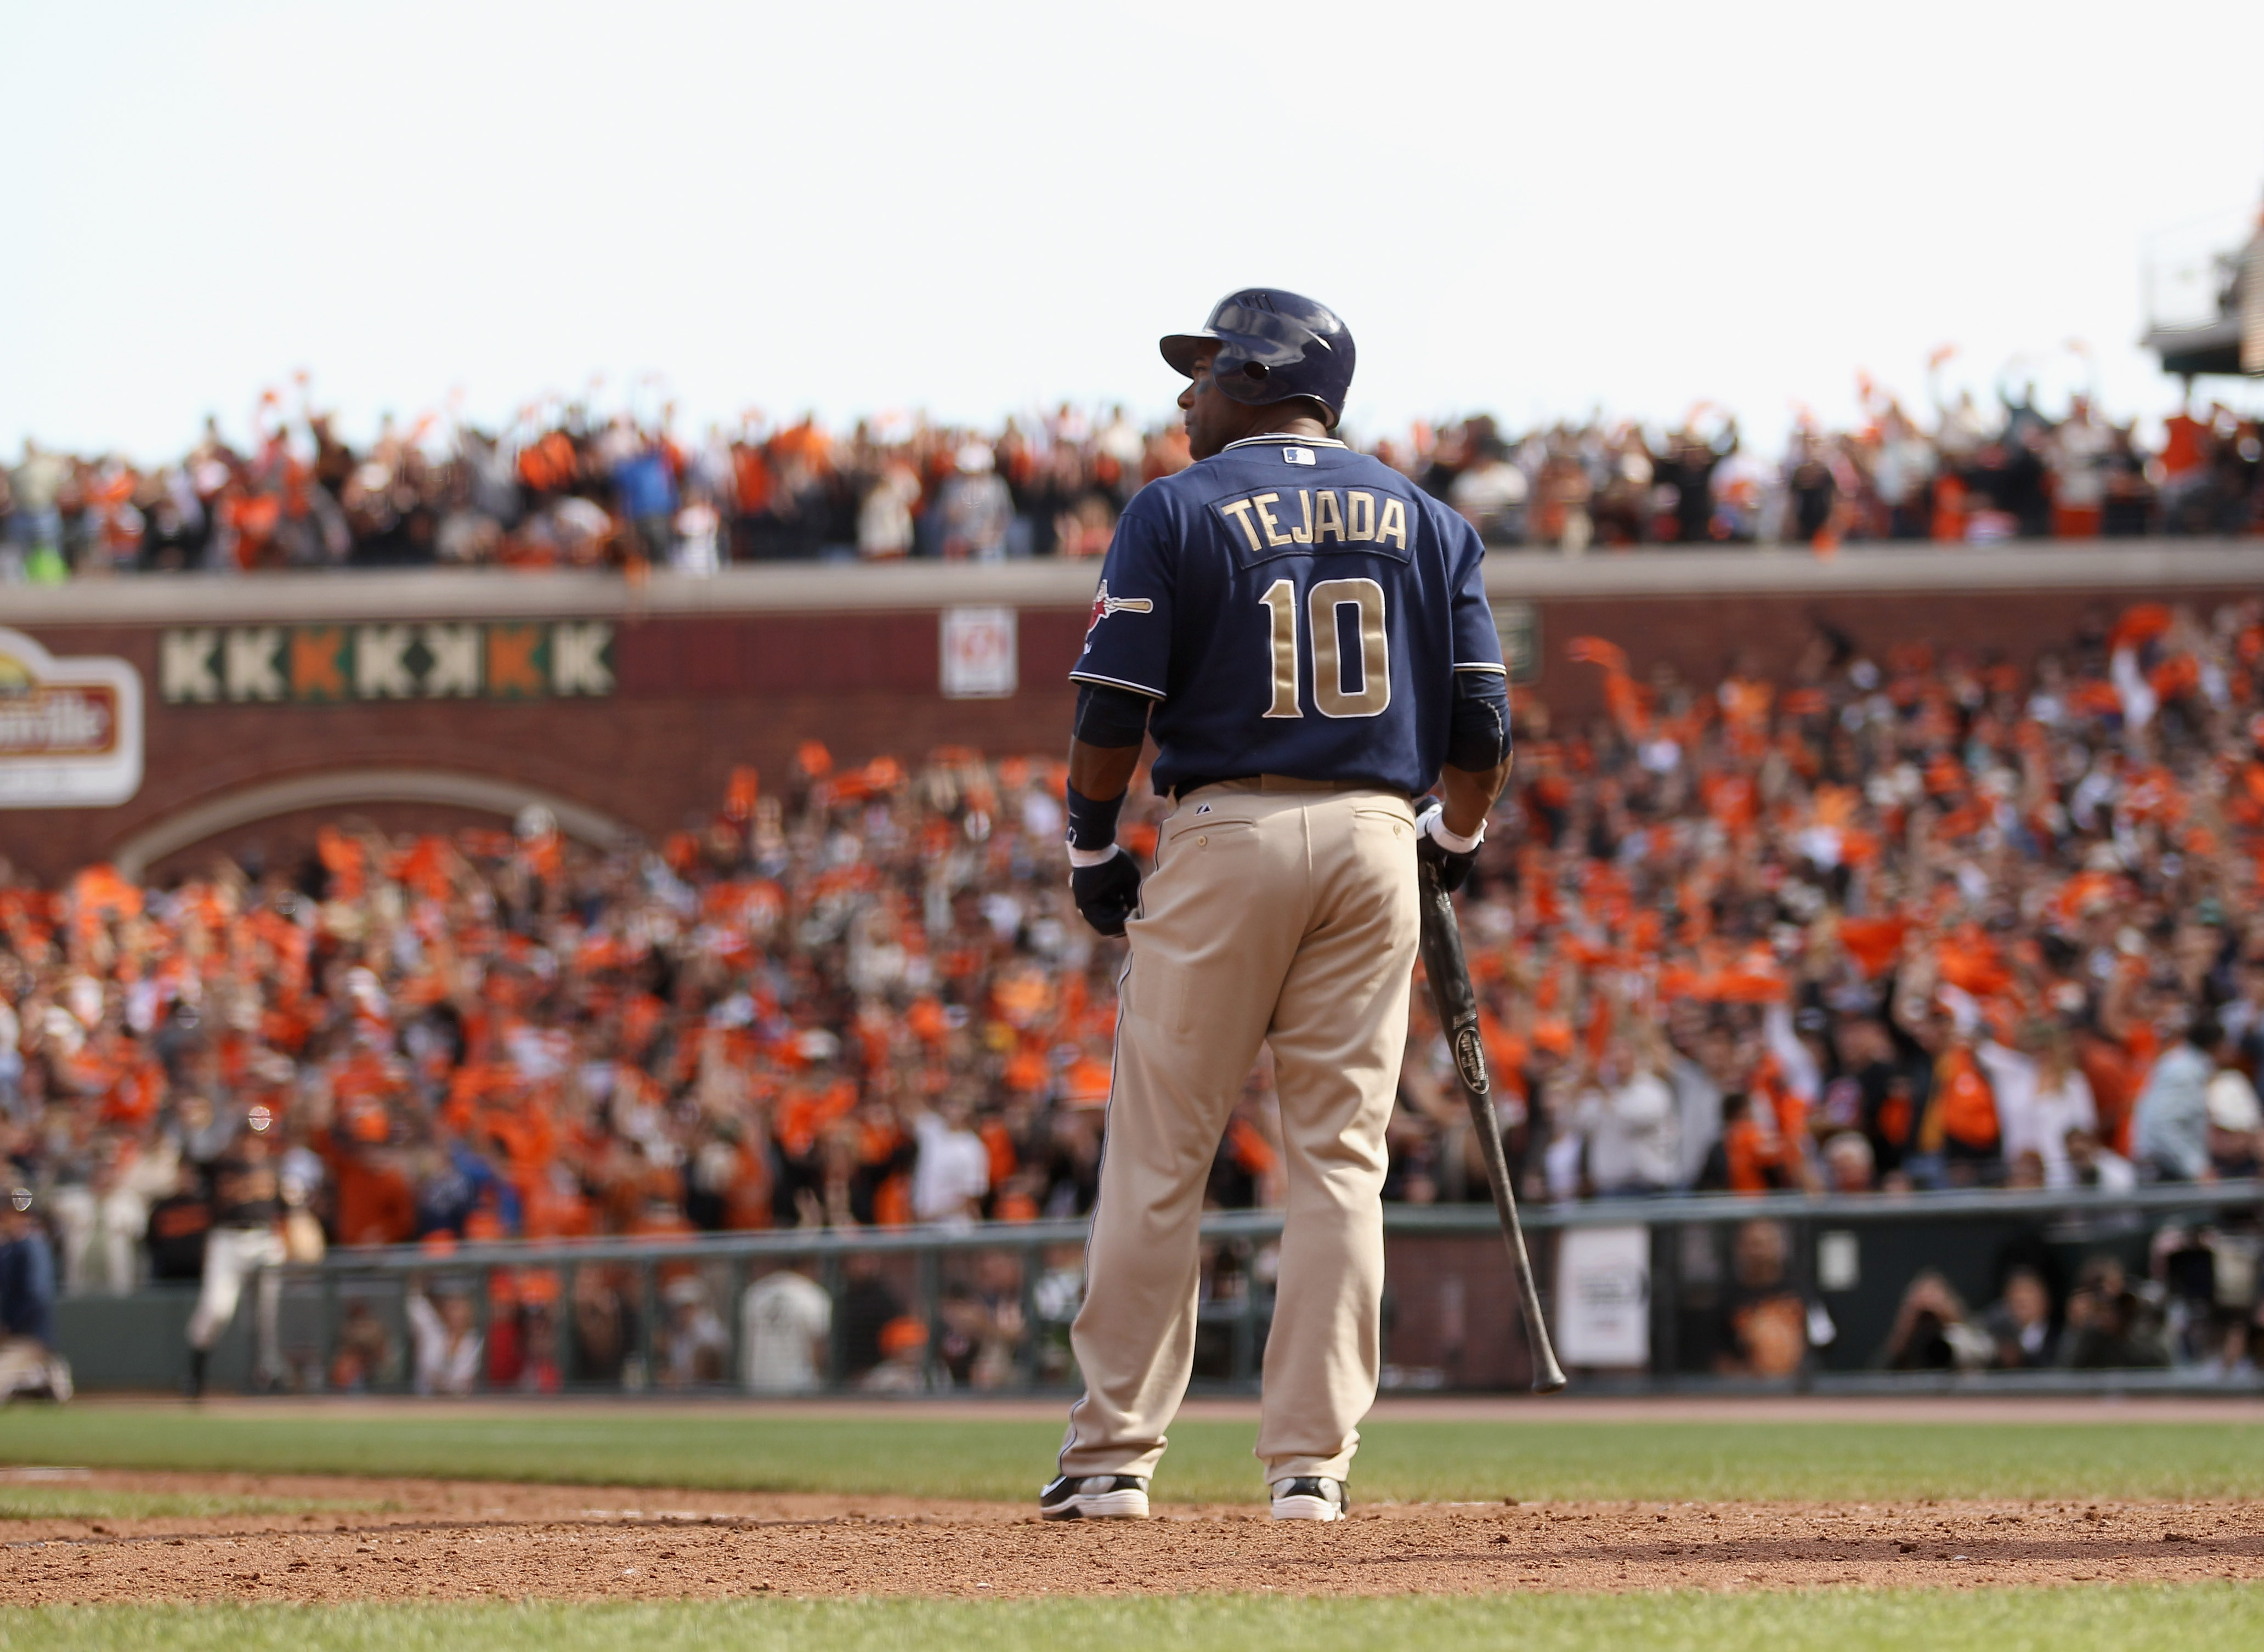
1295	608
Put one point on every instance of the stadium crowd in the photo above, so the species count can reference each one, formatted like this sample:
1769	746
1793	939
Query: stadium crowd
1910	921
570	488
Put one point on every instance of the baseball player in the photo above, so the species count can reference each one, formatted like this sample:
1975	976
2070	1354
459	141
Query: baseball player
1306	636
246	1235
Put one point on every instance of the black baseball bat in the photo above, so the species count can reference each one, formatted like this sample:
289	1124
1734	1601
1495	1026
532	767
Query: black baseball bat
1457	1003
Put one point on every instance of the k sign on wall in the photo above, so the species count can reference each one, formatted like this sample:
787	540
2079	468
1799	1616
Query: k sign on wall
70	729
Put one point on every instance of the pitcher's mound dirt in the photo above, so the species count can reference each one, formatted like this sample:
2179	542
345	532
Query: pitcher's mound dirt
417	1538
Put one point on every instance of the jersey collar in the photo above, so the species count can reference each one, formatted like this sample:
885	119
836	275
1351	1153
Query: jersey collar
1291	441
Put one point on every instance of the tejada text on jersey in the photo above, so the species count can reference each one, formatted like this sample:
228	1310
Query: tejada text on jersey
1279	523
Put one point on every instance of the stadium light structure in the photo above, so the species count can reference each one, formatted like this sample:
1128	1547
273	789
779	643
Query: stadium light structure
2205	306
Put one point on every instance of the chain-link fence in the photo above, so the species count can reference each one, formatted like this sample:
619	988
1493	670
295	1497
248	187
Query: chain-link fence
2155	1286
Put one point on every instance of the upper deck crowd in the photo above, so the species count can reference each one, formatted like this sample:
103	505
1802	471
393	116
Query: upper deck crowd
571	487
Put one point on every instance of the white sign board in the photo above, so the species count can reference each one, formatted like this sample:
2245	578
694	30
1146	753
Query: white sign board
70	729
979	653
1603	1296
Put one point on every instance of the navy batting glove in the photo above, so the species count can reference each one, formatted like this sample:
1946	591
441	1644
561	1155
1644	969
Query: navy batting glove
1108	893
1453	855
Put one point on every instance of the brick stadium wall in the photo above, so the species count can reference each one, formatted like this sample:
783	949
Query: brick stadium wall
694	698
699	692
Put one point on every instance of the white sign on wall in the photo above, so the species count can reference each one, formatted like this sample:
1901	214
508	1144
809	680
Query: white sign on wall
1603	1296
70	729
979	653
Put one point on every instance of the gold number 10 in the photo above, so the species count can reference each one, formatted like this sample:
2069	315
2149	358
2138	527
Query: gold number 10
1330	693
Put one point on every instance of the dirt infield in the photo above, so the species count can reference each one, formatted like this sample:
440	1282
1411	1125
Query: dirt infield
423	1540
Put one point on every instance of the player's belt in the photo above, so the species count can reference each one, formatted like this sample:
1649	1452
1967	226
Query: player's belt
1278	783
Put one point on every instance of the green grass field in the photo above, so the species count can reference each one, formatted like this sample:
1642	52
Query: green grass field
90	1502
2105	1619
1209	1462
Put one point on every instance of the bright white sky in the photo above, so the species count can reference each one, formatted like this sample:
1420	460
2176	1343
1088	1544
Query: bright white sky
977	207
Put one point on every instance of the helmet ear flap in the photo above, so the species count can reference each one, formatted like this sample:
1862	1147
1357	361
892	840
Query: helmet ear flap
1240	377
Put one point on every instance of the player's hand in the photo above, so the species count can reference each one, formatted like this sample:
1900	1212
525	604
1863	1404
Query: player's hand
1107	893
1453	864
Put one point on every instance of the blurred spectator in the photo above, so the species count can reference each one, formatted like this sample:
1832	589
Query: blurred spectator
1624	1114
975	509
868	1305
2094	1165
522	1336
952	1172
361	1354
977	1347
1489	491
2019	1322
1766	1326
903	1368
2171	1124
2109	1323
29	1365
101	1221
176	1231
784	1320
444	1345
695	1348
1934	1330
1055	1298
2041	1096
884	519
604	1330
1848	1165
2236	1121
27	1272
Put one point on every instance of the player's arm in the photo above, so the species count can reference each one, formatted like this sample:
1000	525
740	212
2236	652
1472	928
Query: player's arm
1121	676
1479	754
1103	751
1101	772
1477	757
1468	794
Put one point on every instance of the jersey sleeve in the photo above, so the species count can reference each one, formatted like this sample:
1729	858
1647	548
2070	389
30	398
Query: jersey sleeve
1128	640
1477	644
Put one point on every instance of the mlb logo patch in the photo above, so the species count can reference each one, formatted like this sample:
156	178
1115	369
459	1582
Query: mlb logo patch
1202	809
1296	455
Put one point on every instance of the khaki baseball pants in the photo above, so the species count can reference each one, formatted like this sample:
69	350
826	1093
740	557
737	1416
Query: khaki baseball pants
1283	913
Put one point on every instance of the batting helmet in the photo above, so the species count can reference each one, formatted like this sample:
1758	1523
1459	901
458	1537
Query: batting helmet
1273	346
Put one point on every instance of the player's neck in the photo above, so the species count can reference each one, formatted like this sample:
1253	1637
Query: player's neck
1302	425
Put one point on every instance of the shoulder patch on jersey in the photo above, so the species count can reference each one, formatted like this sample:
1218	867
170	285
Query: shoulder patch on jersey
1296	455
1104	604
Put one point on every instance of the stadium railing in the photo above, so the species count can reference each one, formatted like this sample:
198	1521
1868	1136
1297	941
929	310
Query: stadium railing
1631	1309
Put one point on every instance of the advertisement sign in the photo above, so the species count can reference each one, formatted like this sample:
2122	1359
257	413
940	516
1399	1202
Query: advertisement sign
1603	1296
979	653
70	729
